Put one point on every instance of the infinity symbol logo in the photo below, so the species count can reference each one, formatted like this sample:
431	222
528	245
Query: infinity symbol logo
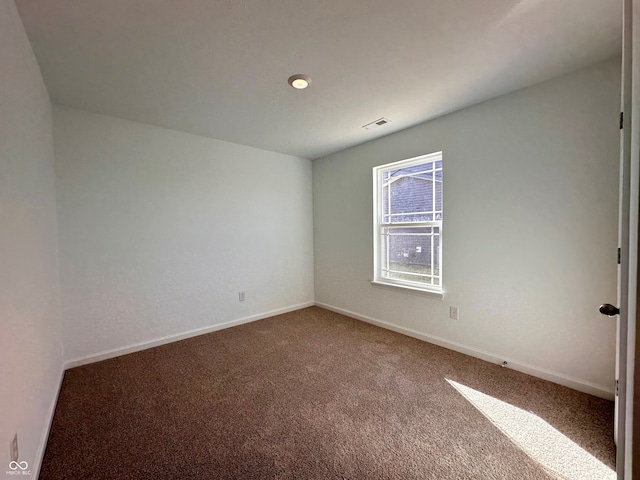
13	465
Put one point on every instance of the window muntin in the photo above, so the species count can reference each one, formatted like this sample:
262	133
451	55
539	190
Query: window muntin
408	223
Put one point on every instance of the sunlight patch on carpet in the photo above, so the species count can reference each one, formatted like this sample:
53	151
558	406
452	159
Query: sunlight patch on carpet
546	445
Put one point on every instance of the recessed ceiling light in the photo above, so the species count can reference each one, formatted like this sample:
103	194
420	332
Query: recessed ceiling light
299	81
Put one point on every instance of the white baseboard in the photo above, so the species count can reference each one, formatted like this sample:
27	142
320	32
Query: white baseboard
35	468
116	352
574	383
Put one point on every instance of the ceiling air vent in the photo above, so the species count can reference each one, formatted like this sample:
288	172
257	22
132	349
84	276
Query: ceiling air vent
376	124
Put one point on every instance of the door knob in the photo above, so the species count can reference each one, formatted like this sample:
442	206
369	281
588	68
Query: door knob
609	310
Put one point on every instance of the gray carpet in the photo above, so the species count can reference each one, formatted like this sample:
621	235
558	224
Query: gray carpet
316	395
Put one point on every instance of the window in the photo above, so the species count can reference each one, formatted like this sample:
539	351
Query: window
407	218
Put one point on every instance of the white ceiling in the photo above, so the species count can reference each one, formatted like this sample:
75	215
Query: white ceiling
219	68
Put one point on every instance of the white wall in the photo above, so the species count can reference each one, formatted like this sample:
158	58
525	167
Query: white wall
30	329
160	230
530	227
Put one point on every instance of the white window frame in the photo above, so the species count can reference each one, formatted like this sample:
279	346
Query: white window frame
379	225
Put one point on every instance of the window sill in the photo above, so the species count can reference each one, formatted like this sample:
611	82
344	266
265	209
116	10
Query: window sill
406	289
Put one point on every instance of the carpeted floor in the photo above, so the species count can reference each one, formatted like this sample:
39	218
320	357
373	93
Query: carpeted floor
316	395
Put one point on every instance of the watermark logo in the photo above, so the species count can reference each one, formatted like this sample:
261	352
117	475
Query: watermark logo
18	468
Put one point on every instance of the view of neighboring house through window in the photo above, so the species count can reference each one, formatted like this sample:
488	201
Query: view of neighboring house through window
408	223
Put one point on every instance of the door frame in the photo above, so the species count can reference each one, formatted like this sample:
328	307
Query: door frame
628	453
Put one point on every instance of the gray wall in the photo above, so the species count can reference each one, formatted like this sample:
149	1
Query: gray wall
30	331
529	235
160	230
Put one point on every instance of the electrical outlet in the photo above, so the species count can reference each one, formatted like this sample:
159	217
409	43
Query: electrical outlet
241	296
13	447
453	313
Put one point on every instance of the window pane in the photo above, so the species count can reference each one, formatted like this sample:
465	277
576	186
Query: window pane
411	254
412	194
